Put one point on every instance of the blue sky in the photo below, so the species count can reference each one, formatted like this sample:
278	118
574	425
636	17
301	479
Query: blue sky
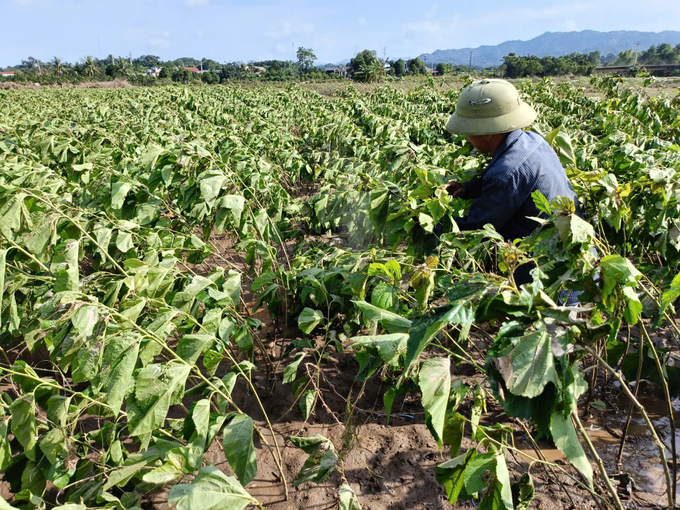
230	30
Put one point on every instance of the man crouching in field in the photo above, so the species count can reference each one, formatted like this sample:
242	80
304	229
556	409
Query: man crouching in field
492	116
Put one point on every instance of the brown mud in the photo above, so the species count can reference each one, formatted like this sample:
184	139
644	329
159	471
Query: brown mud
392	466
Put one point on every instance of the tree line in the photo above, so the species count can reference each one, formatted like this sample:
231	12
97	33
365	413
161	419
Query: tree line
365	66
515	66
580	64
142	70
654	55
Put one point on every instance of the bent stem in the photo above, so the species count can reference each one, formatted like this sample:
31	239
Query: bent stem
660	446
669	404
598	459
630	409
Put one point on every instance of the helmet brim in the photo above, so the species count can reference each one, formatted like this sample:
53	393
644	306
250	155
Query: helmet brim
517	119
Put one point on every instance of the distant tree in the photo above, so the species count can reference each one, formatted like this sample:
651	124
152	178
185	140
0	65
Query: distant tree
443	68
416	66
147	61
122	68
30	64
306	58
210	78
626	58
183	76
210	65
57	66
371	73
365	59
608	59
667	54
233	71
366	67
594	57
399	67
165	72
88	67
187	62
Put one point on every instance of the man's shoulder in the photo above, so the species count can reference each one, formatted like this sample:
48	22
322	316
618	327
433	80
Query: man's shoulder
520	160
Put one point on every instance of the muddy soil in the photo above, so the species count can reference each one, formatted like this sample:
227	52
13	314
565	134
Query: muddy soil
392	466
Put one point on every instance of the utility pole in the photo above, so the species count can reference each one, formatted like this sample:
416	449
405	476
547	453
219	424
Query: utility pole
384	54
637	51
470	65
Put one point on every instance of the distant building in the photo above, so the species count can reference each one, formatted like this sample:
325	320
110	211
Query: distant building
153	71
193	69
340	70
6	74
258	70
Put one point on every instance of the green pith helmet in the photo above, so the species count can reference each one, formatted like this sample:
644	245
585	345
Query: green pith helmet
490	107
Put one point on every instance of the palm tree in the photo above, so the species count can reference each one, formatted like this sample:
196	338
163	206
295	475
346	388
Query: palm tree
57	67
89	69
122	67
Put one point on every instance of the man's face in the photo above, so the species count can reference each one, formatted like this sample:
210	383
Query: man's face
483	143
486	143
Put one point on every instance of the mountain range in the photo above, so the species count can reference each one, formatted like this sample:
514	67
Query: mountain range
554	44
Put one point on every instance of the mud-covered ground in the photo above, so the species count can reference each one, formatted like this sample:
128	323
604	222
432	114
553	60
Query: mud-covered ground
392	466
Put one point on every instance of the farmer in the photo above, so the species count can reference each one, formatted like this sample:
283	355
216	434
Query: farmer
492	116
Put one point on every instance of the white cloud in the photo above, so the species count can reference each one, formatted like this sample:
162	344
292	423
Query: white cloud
288	29
159	39
195	3
554	12
431	31
362	21
569	25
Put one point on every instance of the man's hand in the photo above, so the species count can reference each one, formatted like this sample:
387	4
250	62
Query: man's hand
456	189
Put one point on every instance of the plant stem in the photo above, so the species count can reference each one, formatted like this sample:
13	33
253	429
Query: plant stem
630	409
598	459
669	403
539	452
660	446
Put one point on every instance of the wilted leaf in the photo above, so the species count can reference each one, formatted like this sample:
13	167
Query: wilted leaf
239	449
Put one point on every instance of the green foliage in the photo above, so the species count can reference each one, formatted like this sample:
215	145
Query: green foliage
366	67
108	197
305	58
416	66
322	459
574	63
210	489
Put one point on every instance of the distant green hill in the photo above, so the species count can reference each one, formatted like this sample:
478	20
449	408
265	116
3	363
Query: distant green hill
554	44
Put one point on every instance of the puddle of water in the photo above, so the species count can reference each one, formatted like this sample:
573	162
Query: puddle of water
640	455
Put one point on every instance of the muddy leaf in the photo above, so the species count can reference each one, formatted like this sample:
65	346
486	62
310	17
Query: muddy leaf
321	461
348	499
309	319
435	385
307	403
450	474
531	364
564	435
210	489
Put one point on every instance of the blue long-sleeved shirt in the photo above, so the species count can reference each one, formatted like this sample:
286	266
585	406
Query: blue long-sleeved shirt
522	164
